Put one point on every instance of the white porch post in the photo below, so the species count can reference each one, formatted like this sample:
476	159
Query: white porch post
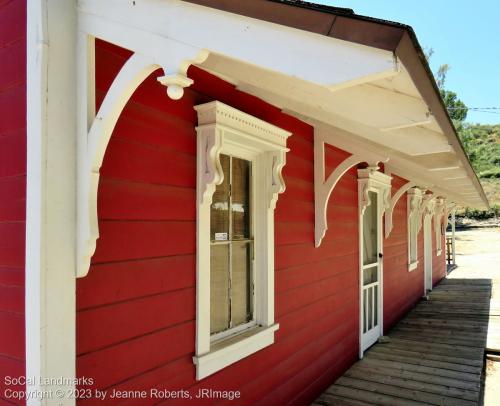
51	182
453	258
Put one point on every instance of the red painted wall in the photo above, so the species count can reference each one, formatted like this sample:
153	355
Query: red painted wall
12	190
136	308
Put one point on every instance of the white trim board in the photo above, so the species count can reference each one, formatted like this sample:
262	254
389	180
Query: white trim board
50	205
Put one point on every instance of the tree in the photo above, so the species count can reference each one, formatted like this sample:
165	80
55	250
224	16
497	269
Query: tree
456	107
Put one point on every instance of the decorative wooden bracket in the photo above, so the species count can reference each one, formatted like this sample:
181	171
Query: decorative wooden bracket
323	187
388	214
94	133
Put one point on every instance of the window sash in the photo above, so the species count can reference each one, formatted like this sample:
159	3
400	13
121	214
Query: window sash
243	238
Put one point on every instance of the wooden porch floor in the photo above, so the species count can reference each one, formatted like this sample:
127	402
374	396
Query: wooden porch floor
434	355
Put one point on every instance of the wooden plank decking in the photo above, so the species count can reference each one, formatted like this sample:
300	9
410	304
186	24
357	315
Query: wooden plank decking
434	355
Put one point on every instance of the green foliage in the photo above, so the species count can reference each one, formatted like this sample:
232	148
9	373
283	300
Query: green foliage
481	214
456	107
482	144
490	173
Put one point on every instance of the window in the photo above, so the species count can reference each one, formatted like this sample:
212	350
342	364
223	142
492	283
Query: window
414	215
239	162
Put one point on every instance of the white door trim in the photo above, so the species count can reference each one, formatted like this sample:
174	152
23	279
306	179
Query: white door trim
428	257
371	179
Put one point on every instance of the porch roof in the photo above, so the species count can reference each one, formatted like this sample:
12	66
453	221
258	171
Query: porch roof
431	144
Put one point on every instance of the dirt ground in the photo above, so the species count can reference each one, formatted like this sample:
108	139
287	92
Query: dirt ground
478	256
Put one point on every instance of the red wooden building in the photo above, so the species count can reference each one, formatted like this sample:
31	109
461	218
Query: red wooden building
219	198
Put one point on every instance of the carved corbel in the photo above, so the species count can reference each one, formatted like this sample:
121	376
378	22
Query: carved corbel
209	169
278	161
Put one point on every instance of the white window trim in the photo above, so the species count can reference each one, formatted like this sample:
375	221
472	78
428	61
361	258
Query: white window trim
414	202
224	129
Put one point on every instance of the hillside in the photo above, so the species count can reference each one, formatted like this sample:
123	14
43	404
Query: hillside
482	144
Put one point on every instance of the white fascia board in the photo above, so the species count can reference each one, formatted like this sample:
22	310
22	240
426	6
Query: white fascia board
315	58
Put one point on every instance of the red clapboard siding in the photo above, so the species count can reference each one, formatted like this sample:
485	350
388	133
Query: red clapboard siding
12	344
402	289
12	23
122	240
111	324
136	308
146	201
10	73
120	281
12	99
14	368
12	192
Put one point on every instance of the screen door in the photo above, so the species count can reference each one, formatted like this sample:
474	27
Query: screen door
370	273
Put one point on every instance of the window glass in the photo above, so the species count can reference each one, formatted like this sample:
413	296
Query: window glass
219	288
413	237
241	305
219	211
240	196
231	294
370	231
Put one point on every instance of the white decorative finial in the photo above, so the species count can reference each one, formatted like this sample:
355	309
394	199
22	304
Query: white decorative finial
175	84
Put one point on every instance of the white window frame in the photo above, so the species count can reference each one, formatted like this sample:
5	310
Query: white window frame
414	202
225	130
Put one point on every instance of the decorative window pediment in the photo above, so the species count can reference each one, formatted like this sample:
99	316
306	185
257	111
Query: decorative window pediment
372	178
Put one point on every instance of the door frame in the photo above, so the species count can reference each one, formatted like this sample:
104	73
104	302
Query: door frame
372	180
428	257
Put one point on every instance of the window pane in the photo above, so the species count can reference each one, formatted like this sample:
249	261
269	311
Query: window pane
370	231
240	195
369	308
241	289
370	275
219	288
219	212
413	238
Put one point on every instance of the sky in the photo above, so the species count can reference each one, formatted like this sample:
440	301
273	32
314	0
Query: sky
464	34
